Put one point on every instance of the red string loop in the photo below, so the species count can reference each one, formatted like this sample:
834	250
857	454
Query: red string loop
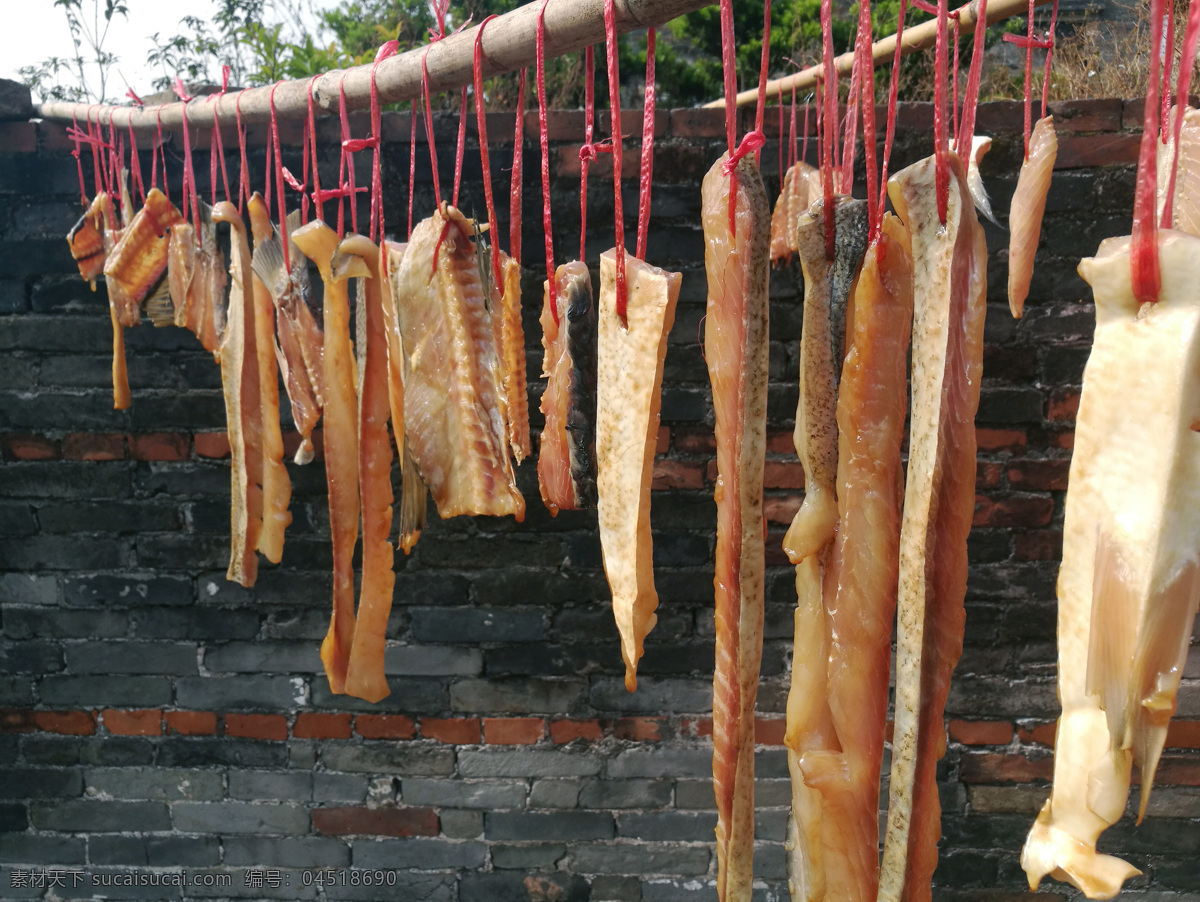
279	170
547	231
751	142
244	174
484	156
589	152
346	168
437	186
614	100
74	133
515	182
1191	37
387	49
135	165
647	173
316	174
181	91
1050	52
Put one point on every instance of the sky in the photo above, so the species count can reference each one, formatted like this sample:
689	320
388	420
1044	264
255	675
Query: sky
38	29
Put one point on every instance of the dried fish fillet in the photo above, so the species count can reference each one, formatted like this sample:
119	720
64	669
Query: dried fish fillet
86	238
1028	207
116	302
801	187
511	350
139	259
735	348
1130	580
629	364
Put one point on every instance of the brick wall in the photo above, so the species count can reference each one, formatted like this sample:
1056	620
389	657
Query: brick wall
158	717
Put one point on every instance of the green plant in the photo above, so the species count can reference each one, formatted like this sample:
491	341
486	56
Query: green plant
90	65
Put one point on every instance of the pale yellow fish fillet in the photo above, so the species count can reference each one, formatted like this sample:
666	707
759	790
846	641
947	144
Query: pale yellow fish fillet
139	259
629	368
1028	207
1129	582
949	299
795	197
117	301
511	349
1185	208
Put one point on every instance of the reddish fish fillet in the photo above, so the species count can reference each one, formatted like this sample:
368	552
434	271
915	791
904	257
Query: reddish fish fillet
204	310
1028	206
511	350
567	453
629	369
950	287
298	324
365	678
453	419
86	238
735	347
139	259
801	186
1185	208
240	385
181	268
1130	577
318	242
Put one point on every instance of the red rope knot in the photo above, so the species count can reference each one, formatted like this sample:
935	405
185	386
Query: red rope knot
751	141
388	48
225	70
181	91
83	137
322	195
1023	41
354	145
589	152
292	181
132	95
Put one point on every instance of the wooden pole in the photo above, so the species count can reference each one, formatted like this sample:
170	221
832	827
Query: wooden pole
508	45
918	37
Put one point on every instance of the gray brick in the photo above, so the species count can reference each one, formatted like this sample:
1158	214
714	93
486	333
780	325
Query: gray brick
271	693
16	519
461	823
30	656
105	691
65	479
236	883
616	889
771	825
770	861
195	623
264	784
338	787
108	517
471	625
46	783
432	660
13	818
410	696
418	852
28	588
670	826
516	696
46	552
539	825
409	759
408	887
155	851
274	587
276	852
16	691
238	817
126	590
661	762
698	794
555	794
85	816
177	658
25	623
264	657
509	886
527	856
30	848
680	891
302	755
429	587
655	695
125	751
626	794
528	763
488	794
639	858
205	751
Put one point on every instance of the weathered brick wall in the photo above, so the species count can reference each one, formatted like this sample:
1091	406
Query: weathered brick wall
159	717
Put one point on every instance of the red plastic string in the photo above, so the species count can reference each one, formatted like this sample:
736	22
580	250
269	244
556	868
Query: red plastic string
412	162
828	120
74	134
190	195
244	174
287	263
850	126
614	100
1049	53
1028	77
346	168
762	72
90	140
135	165
587	152
267	168
954	108
388	49
867	86
792	129
647	173
514	208
1191	36
543	137
779	126
729	65
804	146
941	160
1147	279
971	98
462	144
484	155
1168	50
437	187
318	199
158	148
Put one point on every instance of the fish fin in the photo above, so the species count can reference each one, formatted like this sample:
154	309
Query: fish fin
267	263
413	492
159	306
1052	851
1112	637
348	266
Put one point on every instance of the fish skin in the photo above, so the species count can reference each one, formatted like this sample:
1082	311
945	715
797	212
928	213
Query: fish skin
317	241
1128	585
629	370
1185	207
950	288
86	238
238	356
206	314
1028	208
364	674
453	420
735	349
567	450
139	259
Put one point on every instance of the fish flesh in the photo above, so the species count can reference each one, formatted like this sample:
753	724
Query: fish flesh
1130	576
949	300
1028	207
358	255
413	492
276	484
510	348
738	267
181	269
86	238
629	370
453	419
197	278
318	242
238	356
138	260
827	290
116	302
980	145
298	324
567	452
1185	206
801	187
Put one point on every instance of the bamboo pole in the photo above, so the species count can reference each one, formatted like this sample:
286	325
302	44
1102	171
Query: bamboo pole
508	45
918	37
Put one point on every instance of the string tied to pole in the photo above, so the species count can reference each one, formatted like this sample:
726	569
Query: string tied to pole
646	178
316	173
279	182
190	198
244	172
386	50
484	156
216	148
1191	37
614	102
544	139
589	151
751	142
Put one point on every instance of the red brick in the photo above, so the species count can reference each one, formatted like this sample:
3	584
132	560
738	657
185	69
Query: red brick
769	730
357	821
1064	404
16	720
1085	151
1042	733
191	723
987	474
72	723
775	555
783	474
513	730
1087	115
639	729
981	732
99	446
310	725
695	441
1013	510
1064	439
998	116
214	444
678	474
781	508
561	125
698	123
1039	475
1041	545
454	730
663	443
1001	768
913	116
1174	771
565	730
29	447
256	726
385	726
500	128
1183	734
704	726
781	443
631	125
159	446
18	137
145	722
1000	439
